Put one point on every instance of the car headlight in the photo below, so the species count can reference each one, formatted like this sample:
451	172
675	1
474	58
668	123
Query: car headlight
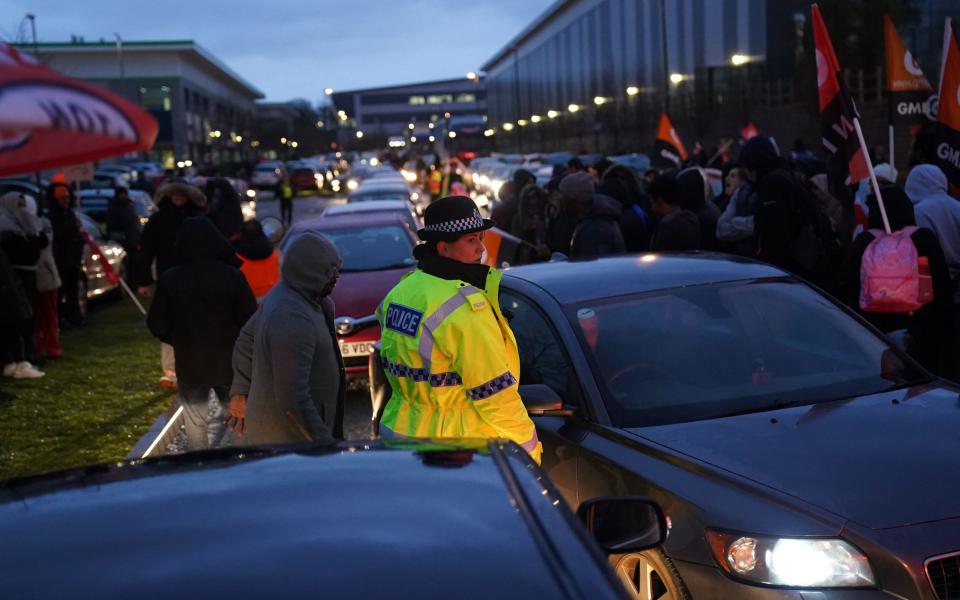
791	562
251	193
352	184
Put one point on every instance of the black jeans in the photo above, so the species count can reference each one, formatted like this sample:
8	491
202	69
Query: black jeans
286	210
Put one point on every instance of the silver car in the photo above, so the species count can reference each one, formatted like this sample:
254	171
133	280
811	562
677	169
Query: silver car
95	283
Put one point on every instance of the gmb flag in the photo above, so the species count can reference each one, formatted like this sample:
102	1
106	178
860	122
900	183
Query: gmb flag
668	150
837	110
948	113
911	95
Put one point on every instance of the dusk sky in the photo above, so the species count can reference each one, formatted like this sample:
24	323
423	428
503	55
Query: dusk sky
295	48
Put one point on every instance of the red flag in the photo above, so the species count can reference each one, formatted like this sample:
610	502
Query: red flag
948	113
501	248
95	248
749	131
668	150
837	110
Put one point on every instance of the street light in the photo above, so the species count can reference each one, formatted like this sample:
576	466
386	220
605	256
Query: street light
633	90
739	59
599	100
552	114
508	126
522	122
359	135
413	139
573	108
452	134
294	144
535	119
471	76
489	132
677	78
319	124
328	91
429	125
432	139
283	141
410	126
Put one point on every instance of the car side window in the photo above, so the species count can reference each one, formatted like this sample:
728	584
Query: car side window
542	358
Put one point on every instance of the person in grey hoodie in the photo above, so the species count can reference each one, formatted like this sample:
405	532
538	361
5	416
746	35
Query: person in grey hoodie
936	210
288	378
598	232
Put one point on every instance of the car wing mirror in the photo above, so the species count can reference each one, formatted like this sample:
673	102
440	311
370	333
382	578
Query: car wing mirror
541	400
273	228
624	524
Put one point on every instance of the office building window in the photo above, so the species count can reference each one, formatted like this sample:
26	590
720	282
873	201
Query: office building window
417	100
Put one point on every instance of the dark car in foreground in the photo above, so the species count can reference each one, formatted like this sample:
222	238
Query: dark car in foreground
364	520
796	450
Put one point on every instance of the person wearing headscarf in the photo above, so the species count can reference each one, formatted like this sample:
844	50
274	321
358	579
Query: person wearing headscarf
22	240
931	326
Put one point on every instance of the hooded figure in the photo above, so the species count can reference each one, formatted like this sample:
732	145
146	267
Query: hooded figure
696	196
175	203
930	327
571	200
287	370
935	209
598	233
225	211
621	184
199	309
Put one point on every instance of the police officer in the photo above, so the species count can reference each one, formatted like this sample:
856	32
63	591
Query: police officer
446	349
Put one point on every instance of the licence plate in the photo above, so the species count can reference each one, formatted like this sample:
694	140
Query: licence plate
356	348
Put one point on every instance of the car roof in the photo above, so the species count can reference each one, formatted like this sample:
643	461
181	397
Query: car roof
580	280
381	185
343	210
344	221
369	519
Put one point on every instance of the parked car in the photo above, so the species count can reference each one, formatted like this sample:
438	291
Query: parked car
388	189
363	520
305	178
94	282
96	202
400	206
268	175
798	452
377	250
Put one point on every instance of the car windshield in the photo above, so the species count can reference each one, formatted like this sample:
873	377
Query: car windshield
370	248
701	352
369	196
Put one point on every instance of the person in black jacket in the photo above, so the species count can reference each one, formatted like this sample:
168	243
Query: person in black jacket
67	250
199	308
225	211
931	326
123	227
176	202
696	196
598	232
620	183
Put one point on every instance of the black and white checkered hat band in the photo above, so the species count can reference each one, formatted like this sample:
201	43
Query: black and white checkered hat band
472	223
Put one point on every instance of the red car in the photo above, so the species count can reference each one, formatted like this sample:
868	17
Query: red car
377	250
306	178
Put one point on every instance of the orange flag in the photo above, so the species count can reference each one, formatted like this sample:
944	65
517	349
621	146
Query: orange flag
911	95
948	114
668	149
837	110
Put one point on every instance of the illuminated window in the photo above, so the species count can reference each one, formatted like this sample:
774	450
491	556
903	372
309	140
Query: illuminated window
417	100
440	99
466	98
156	98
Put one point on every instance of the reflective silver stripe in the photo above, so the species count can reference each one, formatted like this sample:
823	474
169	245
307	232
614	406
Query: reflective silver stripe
529	445
433	321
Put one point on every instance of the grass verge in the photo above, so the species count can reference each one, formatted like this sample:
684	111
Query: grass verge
95	402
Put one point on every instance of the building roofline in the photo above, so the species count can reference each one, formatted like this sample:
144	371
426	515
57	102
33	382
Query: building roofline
402	85
187	45
538	23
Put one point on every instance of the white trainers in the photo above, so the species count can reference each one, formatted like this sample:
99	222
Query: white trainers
9	368
25	370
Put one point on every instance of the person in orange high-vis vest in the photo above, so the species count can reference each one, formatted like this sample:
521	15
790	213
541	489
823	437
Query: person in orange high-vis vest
260	262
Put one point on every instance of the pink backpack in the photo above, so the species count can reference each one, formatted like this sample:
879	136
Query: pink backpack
890	274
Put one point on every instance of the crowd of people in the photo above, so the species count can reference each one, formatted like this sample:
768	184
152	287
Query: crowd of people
782	209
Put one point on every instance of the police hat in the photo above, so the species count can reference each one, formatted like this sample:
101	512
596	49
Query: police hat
449	218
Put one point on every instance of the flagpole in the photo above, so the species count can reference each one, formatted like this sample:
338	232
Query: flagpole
873	176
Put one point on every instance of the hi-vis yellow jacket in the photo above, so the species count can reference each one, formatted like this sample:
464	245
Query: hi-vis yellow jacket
452	363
